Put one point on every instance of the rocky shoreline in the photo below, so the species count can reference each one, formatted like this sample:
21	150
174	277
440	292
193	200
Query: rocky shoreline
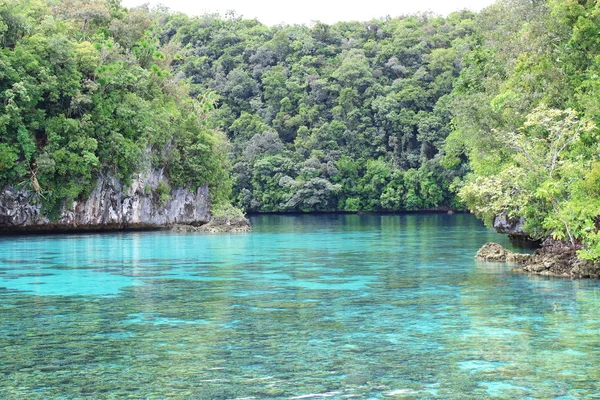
114	206
553	258
218	225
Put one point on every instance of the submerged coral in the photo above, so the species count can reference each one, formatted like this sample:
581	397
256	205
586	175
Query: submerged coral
351	306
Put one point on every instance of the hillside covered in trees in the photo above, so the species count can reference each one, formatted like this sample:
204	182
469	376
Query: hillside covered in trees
84	90
526	111
497	110
345	117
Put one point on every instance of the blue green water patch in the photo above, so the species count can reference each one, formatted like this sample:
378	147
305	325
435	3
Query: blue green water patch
327	306
65	282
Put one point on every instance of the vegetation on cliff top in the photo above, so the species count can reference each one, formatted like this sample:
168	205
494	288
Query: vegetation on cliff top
86	88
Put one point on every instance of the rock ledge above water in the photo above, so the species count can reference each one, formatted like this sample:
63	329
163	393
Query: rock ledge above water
554	258
218	225
492	251
110	206
557	258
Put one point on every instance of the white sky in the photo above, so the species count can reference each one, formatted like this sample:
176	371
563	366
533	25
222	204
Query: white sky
304	11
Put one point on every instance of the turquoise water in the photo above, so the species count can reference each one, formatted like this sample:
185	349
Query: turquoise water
329	306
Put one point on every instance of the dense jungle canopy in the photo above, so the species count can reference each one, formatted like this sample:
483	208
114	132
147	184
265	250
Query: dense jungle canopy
497	110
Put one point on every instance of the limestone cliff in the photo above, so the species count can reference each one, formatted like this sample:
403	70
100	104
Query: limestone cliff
513	227
111	205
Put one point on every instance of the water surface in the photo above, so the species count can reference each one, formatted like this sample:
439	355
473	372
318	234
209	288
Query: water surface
328	306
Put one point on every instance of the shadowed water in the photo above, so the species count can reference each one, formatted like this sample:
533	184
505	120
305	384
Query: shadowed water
336	306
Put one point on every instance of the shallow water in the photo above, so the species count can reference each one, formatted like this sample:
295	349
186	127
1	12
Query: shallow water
329	306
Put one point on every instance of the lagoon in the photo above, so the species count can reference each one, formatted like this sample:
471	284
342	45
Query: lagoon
305	306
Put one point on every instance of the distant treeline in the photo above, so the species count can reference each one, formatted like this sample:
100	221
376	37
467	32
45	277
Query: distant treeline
351	116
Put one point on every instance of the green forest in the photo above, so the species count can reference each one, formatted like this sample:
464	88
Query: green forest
495	111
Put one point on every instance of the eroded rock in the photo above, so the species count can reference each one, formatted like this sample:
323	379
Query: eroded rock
218	225
224	224
556	258
495	252
513	227
111	205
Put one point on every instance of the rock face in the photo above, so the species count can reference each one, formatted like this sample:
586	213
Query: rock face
496	252
110	206
513	227
559	259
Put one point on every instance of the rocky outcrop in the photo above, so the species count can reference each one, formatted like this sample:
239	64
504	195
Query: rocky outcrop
224	224
110	206
496	252
513	227
552	259
556	258
218	225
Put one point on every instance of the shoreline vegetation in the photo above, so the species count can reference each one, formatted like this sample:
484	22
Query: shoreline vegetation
495	112
528	124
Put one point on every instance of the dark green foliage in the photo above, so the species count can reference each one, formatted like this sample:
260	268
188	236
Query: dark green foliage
86	88
526	117
350	117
